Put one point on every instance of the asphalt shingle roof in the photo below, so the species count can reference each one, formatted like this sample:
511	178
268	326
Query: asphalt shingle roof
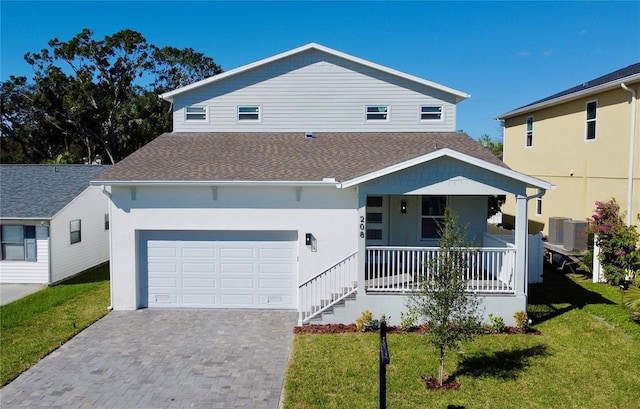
40	191
612	76
285	156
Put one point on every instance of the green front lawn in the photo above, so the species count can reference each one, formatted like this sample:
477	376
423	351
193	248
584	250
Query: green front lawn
587	357
33	326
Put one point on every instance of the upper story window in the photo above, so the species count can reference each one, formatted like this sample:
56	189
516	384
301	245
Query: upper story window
430	113
249	113
18	242
432	216
196	113
529	131
539	206
592	106
377	112
75	233
106	221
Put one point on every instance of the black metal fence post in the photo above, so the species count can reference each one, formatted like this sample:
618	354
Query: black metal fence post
384	361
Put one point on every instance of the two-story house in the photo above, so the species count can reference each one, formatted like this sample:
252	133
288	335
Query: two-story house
301	181
586	141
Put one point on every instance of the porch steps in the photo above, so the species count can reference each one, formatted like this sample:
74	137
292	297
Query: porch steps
338	300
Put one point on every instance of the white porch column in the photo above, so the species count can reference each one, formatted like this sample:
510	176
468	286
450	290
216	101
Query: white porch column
362	241
522	227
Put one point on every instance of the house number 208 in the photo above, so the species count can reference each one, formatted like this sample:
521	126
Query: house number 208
362	227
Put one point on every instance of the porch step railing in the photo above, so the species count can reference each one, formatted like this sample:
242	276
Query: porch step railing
400	269
322	292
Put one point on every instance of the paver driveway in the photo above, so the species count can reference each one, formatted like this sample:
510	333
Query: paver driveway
164	359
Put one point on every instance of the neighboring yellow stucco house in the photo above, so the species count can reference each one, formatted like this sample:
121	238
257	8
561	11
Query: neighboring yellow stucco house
586	141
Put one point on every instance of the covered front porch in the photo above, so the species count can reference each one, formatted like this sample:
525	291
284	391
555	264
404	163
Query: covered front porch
399	211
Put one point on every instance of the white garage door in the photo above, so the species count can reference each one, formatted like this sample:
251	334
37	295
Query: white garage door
255	272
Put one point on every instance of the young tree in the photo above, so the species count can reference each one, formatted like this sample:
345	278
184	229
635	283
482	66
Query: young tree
441	301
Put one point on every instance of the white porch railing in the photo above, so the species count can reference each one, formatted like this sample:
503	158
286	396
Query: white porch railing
399	269
328	288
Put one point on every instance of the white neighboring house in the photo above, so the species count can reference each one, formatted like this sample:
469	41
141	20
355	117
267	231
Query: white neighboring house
53	224
312	181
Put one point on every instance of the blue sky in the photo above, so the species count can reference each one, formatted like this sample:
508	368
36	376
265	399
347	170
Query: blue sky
505	54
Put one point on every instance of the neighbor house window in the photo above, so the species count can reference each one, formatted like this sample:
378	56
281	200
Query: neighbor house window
74	230
430	113
432	216
106	221
196	113
591	119
249	113
18	242
377	112
539	207
529	131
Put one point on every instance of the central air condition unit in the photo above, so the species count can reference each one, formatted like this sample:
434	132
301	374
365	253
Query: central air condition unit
556	230
575	235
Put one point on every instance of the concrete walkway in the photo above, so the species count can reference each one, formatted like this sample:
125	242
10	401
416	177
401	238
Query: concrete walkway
12	292
164	359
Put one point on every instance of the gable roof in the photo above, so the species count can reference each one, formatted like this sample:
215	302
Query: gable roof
333	159
41	191
606	82
313	46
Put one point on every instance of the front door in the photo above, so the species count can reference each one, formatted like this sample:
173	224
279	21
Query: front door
377	220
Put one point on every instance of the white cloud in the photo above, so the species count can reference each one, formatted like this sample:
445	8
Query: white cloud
523	54
583	32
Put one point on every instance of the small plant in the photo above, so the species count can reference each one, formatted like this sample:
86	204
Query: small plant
522	321
365	321
408	320
496	324
384	318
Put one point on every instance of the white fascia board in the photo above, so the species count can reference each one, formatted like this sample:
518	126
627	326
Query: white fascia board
531	181
169	95
240	183
575	95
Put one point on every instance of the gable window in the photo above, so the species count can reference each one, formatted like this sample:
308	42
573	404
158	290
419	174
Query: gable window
377	112
430	113
18	243
529	131
592	106
249	113
196	113
75	231
432	216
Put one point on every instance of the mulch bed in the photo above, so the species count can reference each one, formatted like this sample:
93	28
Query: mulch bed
391	329
449	383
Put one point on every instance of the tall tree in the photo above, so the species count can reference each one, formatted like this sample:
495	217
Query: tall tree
495	201
96	97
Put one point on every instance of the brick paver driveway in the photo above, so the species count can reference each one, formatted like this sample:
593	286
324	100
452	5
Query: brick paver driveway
164	359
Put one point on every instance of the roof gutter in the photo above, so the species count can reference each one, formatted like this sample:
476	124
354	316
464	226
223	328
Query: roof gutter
632	138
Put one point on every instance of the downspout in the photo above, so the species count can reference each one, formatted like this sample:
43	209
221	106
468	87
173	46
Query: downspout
632	137
541	192
110	307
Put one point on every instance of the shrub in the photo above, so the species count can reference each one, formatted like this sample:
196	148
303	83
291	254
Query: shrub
408	320
522	321
496	324
365	321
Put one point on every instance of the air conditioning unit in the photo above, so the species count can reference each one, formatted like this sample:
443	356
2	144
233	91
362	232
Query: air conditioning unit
575	235
556	230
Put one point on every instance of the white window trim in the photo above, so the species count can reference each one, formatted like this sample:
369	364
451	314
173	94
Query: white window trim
249	120
586	121
377	121
186	113
441	119
526	132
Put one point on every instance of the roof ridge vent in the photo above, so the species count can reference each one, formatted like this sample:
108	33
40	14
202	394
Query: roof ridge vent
308	135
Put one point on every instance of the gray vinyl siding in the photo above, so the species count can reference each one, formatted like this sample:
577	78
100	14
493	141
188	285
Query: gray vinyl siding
314	91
